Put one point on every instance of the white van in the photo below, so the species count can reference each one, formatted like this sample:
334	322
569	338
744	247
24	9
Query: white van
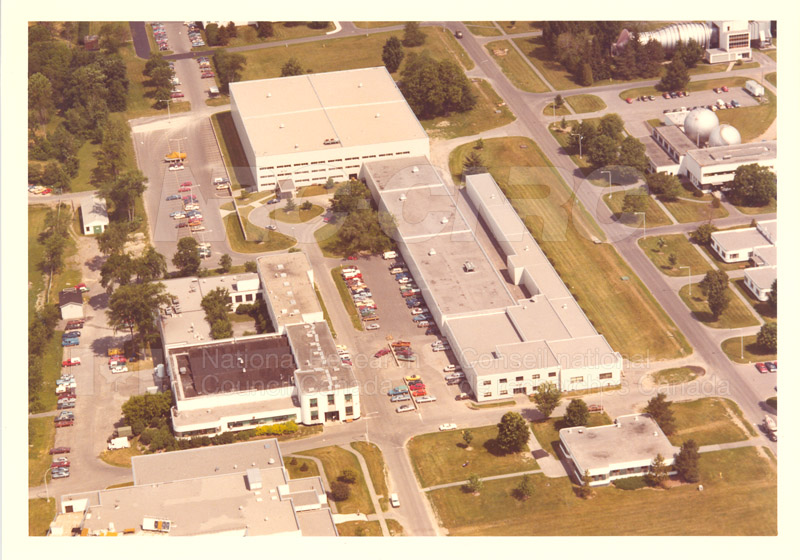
389	255
395	500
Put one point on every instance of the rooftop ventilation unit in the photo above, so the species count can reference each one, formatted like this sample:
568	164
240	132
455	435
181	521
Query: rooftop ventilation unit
445	220
281	125
469	267
432	252
377	115
269	94
360	85
415	169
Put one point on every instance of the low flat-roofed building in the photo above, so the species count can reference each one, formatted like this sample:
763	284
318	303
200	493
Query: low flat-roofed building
620	450
759	280
715	166
288	286
317	126
239	490
765	256
658	160
739	245
674	141
94	215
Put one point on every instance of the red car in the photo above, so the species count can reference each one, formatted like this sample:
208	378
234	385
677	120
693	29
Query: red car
416	386
47	191
71	362
182	224
629	100
64	423
59	450
761	367
56	464
725	88
184	189
420	393
186	184
381	352
352	258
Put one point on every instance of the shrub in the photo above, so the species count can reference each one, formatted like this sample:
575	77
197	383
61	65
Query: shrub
339	491
347	476
304	467
630	483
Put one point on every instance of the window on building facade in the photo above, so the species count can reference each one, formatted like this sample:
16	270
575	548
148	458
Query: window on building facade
487	382
248	297
315	415
576	380
504	380
535	376
605	375
238	299
487	394
519	378
312	403
348	397
348	411
503	392
331	399
551	374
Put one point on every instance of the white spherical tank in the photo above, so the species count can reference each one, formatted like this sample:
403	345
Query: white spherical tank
699	125
724	135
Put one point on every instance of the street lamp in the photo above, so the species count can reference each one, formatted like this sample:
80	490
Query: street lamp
609	177
580	148
741	333
644	223
690	279
46	494
169	117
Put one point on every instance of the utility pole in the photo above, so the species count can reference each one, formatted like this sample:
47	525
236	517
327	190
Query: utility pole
580	147
169	117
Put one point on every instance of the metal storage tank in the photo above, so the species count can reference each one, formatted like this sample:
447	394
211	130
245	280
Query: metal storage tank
724	135
699	125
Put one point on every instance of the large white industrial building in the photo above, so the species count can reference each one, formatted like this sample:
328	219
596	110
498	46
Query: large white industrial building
242	382
510	320
306	129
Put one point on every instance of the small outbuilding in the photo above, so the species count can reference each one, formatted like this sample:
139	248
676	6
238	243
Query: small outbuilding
71	304
285	189
213	91
754	88
94	215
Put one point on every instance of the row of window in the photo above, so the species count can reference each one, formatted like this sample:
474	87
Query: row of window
313	403
348	411
536	376
259	421
247	297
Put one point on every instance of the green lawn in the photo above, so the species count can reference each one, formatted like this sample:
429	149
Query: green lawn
487	31
514	27
752	351
247	35
484	116
275	240
359	529
296	216
560	111
719	263
676	376
751	122
334	461
140	95
752	210
584	103
347	301
325	311
351	52
735	316
743	501
683	249
231	146
377	470
395	529
772	78
546	431
707	421
328	240
622	310
121	457
562	136
654	215
69	276
437	457
41	513
515	67
687	211
317	190
294	470
51	367
762	307
378	24
41	434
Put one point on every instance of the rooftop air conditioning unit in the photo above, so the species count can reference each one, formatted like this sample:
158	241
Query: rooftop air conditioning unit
377	115
415	169
432	251
269	94
402	197
360	84
281	125
445	220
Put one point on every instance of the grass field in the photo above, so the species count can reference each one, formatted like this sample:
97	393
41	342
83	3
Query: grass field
482	117
562	111
687	211
707	421
325	313
377	470
731	82
751	122
496	404
514	27
762	307
317	190
772	78
232	151
681	247
676	376
622	310
351	52
736	315
121	457
347	301
562	136
378	24
41	434
275	240
41	513
395	529
140	95
437	457
246	35
334	461
752	351
296	216
328	240
359	529
752	210
37	281
515	68
743	501
546	431
584	103
719	263
294	470
484	31
654	215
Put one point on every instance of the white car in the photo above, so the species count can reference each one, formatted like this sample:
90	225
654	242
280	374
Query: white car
119	369
373	327
449	368
446	427
404	408
426	398
395	500
272	227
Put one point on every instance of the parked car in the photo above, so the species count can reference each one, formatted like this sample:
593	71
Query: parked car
462	397
399	390
629	100
74	324
71	334
404	408
71	362
426	398
64	423
273	201
373	327
119	369
59	450
761	367
666	95
62	474
393	498
724	88
445	427
381	352
69	342
771	366
419	393
398	398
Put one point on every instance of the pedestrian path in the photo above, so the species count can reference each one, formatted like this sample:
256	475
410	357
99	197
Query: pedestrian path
497	477
372	496
550	466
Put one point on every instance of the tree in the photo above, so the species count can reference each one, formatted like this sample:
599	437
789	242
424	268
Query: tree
40	97
672	191
112	36
687	461
585	77
559	101
306	206
392	54
225	263
718	303
658	183
231	28
648	63
632	154
112	240
473	164
702	235
351	197
152	265
659	408
55	176
229	66
339	491
479	144
264	29
582	134
348	476
435	88
772	296
754	185
715	281
676	77
186	258
290	205
584	490
146	411
524	489
690	53
251	266
547	397
134	306
292	68
117	270
329	184
413	36
512	432
125	190
577	413
601	151
673	260
467	436
213	35
474	484
633	203
658	474
612	125
767	337
111	155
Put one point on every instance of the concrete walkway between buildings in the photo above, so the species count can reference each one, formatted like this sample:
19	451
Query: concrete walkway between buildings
550	466
732	445
372	495
497	477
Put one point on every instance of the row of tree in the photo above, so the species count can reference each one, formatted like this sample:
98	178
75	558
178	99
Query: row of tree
229	68
217	305
604	144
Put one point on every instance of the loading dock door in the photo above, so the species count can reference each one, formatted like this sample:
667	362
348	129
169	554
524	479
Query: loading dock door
332	416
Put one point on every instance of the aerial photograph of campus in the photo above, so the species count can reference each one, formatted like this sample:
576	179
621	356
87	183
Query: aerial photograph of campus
402	278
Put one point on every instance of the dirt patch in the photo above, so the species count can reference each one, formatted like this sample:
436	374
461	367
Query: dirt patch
136	245
443	124
735	419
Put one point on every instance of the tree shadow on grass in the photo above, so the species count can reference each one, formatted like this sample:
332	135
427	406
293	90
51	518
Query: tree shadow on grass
494	448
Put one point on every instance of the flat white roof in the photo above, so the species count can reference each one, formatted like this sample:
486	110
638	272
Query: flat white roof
294	114
287	286
94	210
740	239
740	154
763	276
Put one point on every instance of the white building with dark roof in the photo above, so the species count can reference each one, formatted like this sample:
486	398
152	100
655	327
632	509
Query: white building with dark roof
70	302
317	126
